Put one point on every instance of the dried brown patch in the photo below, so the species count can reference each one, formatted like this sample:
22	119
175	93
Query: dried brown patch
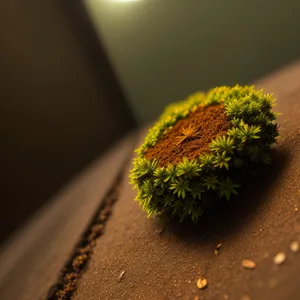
210	122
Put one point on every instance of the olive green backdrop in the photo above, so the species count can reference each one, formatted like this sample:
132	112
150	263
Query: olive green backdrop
163	50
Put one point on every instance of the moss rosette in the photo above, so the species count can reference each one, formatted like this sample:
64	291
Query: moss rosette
187	189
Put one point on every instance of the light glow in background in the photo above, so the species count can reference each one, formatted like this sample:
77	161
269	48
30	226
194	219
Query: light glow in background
122	0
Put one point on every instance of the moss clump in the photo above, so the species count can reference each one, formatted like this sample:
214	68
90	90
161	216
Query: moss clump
199	180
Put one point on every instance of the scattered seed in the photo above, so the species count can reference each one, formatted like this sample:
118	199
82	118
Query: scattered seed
248	264
202	283
216	251
294	246
121	276
296	208
279	258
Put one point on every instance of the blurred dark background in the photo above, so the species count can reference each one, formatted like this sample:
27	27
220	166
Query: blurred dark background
60	103
77	75
163	50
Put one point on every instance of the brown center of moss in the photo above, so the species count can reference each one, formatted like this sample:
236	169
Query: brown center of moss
190	136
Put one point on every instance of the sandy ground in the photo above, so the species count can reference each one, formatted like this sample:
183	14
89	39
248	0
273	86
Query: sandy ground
137	258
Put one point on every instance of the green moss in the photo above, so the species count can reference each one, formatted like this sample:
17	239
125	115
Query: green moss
187	189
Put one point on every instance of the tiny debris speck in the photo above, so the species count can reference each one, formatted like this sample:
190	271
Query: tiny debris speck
217	250
160	231
279	258
121	276
294	246
248	264
202	283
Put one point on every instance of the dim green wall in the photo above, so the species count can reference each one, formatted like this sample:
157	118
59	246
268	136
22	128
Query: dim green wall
165	49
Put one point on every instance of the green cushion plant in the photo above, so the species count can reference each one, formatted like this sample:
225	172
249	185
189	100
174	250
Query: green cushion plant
186	187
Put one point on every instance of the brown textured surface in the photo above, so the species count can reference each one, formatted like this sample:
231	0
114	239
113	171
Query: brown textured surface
71	273
32	260
209	121
256	226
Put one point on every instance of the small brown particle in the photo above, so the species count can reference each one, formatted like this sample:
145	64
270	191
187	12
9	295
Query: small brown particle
294	246
216	251
202	283
245	297
296	208
160	231
121	276
279	258
226	297
248	264
196	298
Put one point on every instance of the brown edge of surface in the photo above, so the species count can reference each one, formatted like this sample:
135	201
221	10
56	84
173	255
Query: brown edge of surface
73	269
